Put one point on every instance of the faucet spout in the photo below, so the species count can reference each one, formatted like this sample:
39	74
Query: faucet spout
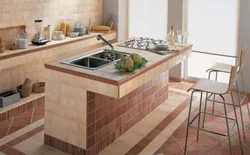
99	37
110	55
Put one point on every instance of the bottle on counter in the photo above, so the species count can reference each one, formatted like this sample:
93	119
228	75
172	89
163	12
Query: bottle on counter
48	33
22	40
171	35
63	27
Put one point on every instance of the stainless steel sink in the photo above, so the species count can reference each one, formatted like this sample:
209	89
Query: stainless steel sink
118	55
95	60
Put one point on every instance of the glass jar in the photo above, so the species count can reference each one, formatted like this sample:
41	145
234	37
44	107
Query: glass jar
22	40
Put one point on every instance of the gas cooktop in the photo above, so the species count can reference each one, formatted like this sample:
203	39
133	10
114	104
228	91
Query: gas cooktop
148	44
141	43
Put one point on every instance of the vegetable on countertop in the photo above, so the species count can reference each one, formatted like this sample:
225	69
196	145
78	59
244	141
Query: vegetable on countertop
130	63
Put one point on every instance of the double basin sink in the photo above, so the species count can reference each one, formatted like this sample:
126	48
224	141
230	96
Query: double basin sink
95	60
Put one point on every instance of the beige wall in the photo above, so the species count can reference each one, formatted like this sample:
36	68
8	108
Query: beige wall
175	18
244	38
119	11
23	12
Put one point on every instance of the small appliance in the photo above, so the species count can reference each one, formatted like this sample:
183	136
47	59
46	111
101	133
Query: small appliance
38	38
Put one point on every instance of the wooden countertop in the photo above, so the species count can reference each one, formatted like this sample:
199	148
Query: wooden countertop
109	74
32	48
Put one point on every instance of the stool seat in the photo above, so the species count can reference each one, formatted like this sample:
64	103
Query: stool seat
221	67
210	86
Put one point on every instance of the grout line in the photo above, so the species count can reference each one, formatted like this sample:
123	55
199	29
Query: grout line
10	126
31	119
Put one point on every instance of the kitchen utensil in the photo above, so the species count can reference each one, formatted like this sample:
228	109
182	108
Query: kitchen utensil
39	87
58	35
73	34
38	38
24	92
27	83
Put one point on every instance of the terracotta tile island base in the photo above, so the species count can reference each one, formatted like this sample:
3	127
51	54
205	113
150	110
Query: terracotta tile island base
86	110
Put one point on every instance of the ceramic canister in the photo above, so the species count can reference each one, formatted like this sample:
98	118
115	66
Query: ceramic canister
2	46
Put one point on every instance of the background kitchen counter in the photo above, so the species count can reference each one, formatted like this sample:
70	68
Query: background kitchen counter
17	65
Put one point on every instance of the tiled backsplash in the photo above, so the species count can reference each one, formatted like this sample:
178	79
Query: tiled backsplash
23	12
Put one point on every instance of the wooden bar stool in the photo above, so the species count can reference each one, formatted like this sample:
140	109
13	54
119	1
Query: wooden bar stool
220	89
226	68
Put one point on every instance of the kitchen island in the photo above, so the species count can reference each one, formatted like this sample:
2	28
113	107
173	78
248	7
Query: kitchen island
86	110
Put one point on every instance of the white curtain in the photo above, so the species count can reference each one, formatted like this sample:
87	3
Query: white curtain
148	18
213	28
213	25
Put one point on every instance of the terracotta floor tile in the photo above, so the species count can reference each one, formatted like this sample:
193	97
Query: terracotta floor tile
198	152
12	151
209	142
140	146
171	147
15	128
181	133
219	151
21	121
158	152
12	142
133	151
152	134
4	148
193	144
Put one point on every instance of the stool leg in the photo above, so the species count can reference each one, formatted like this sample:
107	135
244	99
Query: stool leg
241	115
236	119
189	115
245	92
205	110
216	78
199	118
228	130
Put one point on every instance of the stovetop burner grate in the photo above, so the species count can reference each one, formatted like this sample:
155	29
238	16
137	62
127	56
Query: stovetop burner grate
141	43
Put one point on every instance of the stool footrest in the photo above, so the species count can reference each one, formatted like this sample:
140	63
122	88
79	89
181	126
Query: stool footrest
203	129
231	104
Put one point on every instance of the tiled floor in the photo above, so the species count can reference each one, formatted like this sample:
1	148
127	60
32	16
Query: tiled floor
161	133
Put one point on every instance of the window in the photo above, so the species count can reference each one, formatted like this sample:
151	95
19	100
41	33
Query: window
213	25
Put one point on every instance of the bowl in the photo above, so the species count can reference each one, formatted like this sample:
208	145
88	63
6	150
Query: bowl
39	87
161	47
24	92
27	83
78	30
81	34
58	35
73	34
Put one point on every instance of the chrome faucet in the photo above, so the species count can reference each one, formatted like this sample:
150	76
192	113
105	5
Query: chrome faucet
108	55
